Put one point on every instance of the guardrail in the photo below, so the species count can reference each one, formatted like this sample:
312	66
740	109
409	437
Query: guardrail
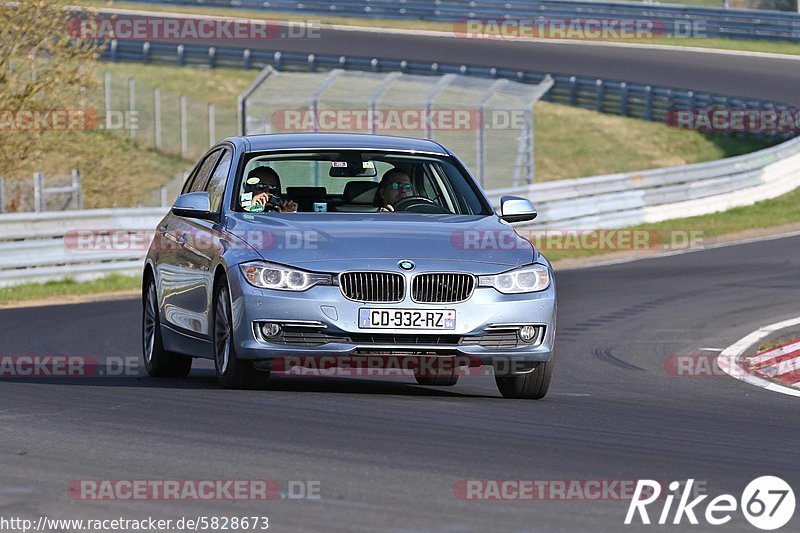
714	22
39	247
608	96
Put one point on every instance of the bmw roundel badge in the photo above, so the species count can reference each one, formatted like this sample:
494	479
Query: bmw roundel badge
406	264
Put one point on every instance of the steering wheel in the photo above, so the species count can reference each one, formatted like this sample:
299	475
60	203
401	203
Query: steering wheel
418	204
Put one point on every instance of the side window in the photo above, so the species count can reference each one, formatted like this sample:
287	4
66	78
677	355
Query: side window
200	178
187	184
216	185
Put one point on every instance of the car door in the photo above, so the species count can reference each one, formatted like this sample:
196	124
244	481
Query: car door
184	269
200	248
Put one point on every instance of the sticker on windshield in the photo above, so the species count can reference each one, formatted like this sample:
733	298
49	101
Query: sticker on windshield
339	164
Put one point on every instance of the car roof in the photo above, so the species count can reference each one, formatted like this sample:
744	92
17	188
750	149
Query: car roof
349	141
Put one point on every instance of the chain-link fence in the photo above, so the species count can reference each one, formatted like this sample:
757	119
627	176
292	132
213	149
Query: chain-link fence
166	121
41	193
488	123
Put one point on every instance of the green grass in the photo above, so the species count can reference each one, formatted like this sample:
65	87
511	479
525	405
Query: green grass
573	142
55	289
570	142
448	27
769	213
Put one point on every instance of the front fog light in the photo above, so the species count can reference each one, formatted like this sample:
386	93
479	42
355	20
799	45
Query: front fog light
528	333
270	329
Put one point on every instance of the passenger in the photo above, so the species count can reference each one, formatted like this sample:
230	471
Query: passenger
262	191
394	186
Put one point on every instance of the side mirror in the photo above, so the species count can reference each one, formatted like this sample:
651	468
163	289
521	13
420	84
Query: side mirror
516	209
193	205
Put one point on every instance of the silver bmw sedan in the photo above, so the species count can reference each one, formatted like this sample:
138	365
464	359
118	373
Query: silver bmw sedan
319	251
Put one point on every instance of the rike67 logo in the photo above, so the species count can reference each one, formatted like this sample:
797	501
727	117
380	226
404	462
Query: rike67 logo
767	502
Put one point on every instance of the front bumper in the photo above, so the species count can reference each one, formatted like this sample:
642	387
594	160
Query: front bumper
337	318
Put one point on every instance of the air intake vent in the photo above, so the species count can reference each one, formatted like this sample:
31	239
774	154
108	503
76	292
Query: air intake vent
442	287
372	286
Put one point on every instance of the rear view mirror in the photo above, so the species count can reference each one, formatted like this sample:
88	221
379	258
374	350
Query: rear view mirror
352	169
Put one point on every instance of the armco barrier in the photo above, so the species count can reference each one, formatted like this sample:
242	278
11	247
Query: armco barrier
713	22
33	248
608	96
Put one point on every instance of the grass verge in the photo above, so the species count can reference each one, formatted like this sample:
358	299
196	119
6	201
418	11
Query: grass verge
780	211
114	283
570	142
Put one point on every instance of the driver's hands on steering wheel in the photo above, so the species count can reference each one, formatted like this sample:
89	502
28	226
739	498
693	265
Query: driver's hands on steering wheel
387	208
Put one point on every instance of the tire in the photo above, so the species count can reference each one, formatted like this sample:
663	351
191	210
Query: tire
532	385
158	362
232	372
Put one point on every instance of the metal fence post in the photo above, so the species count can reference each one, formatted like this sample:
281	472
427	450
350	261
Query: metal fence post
481	140
648	110
132	106
437	89
573	90
157	117
623	104
77	185
212	122
372	112
2	193
38	200
600	95
184	139
163	195
107	95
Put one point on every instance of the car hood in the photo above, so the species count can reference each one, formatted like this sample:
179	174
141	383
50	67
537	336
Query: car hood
339	241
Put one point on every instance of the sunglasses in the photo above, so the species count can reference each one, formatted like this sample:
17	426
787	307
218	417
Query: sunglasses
263	187
401	185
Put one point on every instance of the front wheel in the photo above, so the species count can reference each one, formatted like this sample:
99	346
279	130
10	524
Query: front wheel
232	372
531	385
157	361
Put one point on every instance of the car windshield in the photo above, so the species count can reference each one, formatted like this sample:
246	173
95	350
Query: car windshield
356	182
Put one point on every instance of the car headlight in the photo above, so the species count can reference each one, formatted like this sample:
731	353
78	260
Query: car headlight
271	276
530	278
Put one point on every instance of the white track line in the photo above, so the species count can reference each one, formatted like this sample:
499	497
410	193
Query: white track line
454	34
728	360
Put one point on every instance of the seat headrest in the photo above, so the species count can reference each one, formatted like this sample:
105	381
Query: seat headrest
360	192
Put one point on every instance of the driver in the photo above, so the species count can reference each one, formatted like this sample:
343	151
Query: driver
262	188
394	186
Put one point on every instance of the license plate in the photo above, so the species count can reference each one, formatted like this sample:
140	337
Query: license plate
372	318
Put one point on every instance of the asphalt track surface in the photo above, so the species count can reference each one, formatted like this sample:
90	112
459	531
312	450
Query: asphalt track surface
769	78
388	452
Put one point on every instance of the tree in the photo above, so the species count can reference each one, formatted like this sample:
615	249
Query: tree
45	75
